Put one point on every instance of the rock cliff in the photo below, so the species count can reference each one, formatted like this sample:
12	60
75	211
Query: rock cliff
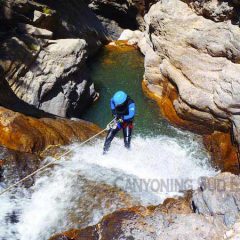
44	47
195	60
119	15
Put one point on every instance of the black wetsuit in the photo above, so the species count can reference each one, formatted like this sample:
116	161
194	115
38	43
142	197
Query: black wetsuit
126	112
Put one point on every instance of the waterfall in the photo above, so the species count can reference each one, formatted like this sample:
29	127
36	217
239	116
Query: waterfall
83	187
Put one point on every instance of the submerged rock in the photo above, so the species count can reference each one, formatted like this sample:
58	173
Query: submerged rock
31	135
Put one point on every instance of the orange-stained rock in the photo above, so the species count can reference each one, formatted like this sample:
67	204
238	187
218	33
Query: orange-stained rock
165	102
110	225
89	233
28	134
149	223
121	46
107	228
217	141
224	153
181	205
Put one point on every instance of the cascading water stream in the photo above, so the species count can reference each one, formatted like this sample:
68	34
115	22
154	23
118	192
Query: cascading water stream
83	187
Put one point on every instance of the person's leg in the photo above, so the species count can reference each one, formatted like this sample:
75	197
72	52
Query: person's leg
111	134
1	170
127	134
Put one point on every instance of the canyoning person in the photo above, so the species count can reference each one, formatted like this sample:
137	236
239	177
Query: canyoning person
123	109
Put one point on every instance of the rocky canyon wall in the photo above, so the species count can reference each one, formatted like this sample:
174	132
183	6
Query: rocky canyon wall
43	53
119	15
195	53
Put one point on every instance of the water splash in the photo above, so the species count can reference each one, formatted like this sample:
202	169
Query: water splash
82	188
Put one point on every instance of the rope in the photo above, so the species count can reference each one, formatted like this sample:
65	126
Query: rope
47	148
110	125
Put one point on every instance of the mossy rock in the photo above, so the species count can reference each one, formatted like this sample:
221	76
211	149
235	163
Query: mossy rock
46	10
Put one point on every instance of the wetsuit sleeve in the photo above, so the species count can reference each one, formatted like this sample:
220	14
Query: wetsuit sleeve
131	110
113	107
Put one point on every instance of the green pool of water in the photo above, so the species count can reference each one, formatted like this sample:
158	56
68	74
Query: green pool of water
123	70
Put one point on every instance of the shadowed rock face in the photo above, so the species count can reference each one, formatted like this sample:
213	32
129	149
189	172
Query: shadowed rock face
199	58
119	15
65	19
49	75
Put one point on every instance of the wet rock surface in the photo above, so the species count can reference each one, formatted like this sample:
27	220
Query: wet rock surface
215	216
91	204
31	135
119	15
224	153
16	165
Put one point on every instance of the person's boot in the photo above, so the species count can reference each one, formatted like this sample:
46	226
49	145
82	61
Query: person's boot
111	134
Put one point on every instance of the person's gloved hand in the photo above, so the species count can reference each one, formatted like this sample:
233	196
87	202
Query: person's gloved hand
120	120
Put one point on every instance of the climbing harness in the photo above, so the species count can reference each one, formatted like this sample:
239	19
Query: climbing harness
109	125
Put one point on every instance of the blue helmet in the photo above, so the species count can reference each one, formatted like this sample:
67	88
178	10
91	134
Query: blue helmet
119	98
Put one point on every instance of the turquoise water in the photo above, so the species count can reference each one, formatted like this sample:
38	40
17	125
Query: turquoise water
123	70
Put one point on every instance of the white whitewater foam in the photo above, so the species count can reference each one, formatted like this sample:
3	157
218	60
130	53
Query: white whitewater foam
44	212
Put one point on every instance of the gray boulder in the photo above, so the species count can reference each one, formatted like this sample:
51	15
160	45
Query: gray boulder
34	31
200	58
219	197
234	233
57	82
174	227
